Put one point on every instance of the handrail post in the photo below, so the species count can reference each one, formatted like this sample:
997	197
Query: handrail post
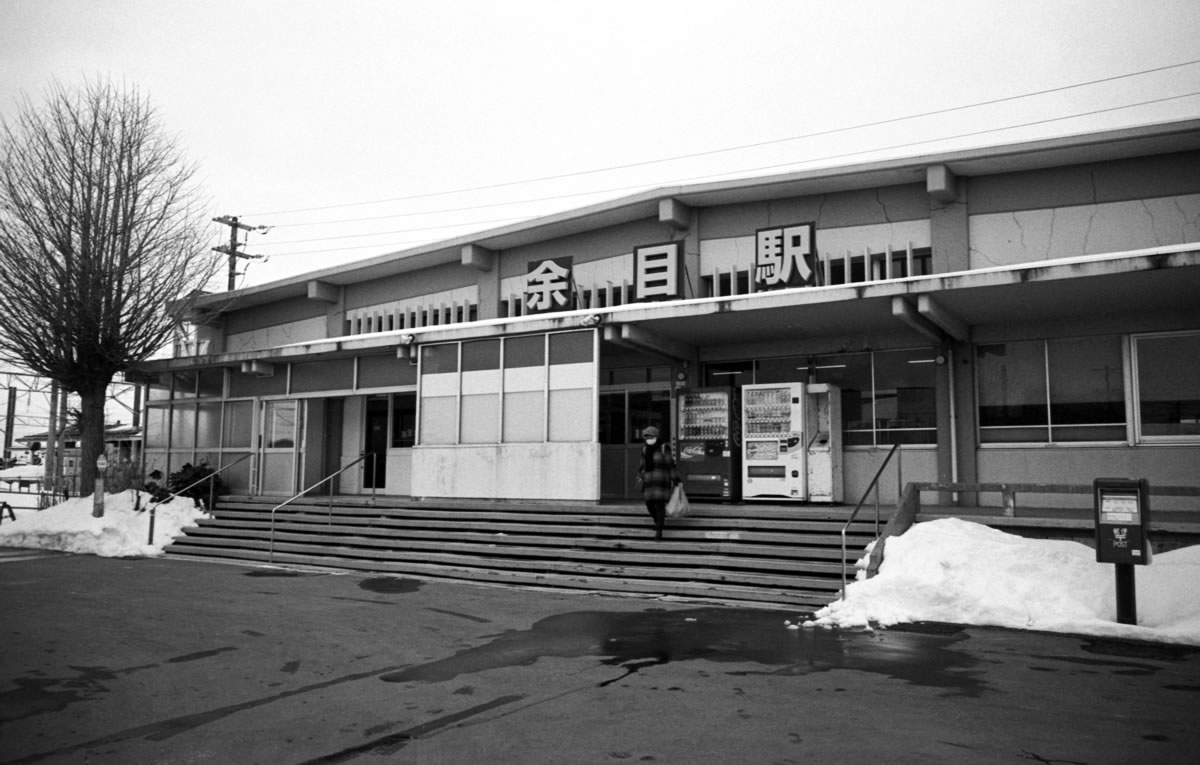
875	486
374	475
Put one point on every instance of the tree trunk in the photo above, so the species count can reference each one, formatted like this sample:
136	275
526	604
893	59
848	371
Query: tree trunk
91	435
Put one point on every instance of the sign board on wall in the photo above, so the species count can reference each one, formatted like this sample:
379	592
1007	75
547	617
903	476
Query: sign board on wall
549	286
784	256
656	271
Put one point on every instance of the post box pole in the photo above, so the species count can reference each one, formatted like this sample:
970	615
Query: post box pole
1126	594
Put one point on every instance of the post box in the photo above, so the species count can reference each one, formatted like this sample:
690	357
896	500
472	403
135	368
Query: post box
1122	508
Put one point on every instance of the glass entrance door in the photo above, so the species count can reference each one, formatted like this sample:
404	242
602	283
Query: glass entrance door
282	445
624	414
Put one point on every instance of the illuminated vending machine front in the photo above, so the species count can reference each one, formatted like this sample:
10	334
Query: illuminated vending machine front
709	442
773	458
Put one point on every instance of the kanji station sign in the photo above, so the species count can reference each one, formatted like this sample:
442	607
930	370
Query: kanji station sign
656	271
784	256
549	286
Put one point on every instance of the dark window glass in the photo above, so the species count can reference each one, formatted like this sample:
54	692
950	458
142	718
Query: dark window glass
571	347
480	355
525	351
404	420
439	359
1169	385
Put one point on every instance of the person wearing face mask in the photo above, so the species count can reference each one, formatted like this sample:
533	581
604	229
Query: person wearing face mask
658	476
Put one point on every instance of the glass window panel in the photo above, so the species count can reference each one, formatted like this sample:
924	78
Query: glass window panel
280	424
787	370
480	354
612	418
648	408
731	375
211	383
183	426
439	359
239	424
157	418
571	347
159	388
385	372
438	419
481	419
905	384
1012	384
1169	385
237	477
1087	383
208	425
851	373
571	415
185	384
245	385
524	351
313	376
524	417
404	420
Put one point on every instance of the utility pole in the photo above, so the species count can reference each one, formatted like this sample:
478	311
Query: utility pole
232	248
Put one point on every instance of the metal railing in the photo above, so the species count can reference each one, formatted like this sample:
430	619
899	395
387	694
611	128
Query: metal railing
327	479
212	487
873	485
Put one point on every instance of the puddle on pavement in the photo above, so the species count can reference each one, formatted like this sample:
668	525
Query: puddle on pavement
636	641
389	584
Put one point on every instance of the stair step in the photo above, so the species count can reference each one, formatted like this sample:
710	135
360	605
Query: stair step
767	555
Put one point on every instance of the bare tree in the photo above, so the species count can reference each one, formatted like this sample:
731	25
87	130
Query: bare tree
101	242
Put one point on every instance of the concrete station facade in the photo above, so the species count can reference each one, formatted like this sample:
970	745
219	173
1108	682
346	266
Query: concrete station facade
1019	313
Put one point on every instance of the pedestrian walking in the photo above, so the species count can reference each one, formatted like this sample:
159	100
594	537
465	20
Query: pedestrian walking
658	476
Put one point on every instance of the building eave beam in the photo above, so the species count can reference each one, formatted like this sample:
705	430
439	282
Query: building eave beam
640	339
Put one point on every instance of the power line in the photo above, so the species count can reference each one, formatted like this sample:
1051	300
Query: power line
716	176
816	134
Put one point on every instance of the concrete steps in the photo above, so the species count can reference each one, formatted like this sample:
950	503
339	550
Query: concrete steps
768	555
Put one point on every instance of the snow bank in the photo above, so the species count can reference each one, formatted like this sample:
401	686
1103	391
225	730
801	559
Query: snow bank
957	571
121	532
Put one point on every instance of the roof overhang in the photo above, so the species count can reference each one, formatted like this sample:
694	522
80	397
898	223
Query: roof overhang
926	310
1162	138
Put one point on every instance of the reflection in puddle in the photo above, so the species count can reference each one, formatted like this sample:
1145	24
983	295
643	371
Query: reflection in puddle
636	641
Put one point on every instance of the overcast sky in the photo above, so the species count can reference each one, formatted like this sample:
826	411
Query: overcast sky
355	127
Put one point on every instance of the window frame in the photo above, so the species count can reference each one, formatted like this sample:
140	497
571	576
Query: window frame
1133	396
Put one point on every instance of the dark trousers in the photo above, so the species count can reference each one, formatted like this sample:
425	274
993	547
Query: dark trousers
658	511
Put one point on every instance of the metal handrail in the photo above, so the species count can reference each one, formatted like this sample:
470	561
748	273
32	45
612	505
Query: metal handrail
330	477
873	485
212	487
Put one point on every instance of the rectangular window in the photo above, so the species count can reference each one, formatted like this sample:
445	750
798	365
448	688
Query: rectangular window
904	397
1168	387
1055	391
513	390
851	373
404	420
239	424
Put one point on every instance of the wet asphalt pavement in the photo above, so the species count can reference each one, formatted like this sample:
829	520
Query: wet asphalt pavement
167	661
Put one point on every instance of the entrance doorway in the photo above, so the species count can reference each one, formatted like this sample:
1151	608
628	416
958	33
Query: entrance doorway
378	416
282	446
624	414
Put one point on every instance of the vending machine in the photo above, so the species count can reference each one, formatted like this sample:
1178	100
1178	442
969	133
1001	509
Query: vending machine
792	442
773	465
709	451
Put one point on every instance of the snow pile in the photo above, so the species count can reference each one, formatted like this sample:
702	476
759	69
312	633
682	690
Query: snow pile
121	532
956	571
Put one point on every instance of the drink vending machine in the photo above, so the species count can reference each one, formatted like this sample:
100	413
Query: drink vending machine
792	442
710	442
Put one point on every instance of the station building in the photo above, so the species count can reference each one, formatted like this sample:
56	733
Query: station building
1025	313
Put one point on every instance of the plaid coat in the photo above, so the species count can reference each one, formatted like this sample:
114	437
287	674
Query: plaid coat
657	472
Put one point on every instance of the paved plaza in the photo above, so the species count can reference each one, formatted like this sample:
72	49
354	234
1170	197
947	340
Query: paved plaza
179	661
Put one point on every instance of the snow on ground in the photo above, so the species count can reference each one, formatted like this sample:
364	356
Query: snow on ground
952	570
946	571
70	527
